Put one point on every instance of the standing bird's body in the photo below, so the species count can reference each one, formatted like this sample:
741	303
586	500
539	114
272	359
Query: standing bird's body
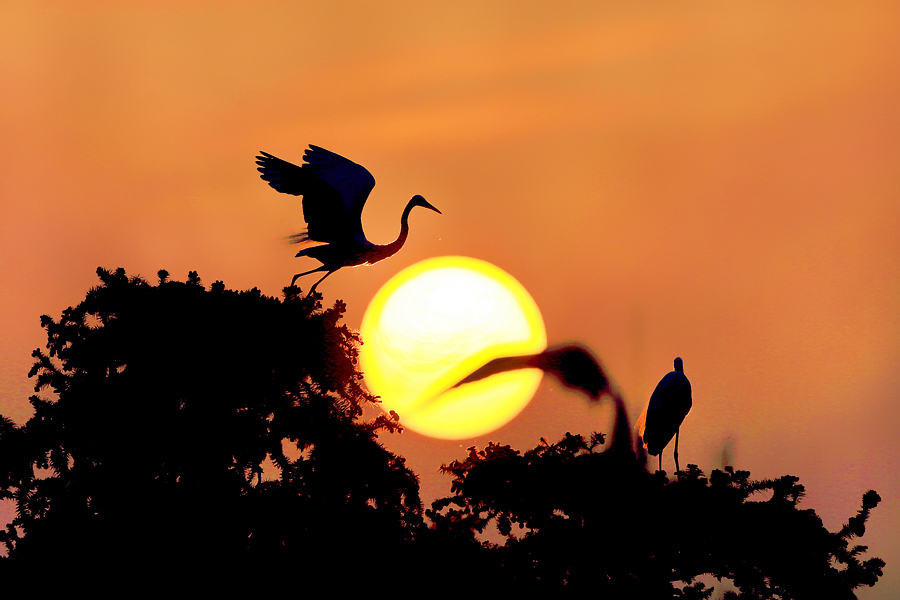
334	191
669	405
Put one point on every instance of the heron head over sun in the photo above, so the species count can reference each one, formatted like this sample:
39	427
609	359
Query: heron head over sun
434	323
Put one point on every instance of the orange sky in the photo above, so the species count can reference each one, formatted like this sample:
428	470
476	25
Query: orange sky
718	181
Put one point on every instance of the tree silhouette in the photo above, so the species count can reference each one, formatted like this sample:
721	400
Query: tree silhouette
166	402
577	518
219	436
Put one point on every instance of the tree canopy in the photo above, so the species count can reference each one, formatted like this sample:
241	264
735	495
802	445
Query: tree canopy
575	517
179	425
165	403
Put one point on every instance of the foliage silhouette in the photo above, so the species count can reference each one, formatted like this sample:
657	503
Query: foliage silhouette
169	399
598	522
579	519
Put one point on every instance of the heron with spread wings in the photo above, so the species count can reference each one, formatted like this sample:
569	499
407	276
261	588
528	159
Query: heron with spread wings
334	191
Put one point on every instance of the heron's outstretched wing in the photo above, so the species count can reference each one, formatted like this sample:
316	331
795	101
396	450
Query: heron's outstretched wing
352	181
285	177
334	191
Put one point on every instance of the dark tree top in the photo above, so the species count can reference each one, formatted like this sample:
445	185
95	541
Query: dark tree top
576	518
160	406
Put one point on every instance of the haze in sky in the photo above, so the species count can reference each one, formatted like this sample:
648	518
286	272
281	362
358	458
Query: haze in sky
713	181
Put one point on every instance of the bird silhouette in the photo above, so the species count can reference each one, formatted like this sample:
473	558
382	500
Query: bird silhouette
570	364
576	368
668	406
334	191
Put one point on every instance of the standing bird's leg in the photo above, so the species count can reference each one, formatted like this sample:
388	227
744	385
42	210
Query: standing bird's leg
677	468
660	461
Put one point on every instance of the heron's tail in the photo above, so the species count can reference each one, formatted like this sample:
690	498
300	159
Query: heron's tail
299	237
302	237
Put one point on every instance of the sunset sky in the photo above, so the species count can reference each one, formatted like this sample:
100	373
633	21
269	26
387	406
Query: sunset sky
718	181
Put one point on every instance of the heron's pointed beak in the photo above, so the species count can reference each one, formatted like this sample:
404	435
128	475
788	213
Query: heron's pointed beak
418	200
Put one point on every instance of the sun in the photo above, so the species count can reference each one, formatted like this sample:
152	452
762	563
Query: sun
434	323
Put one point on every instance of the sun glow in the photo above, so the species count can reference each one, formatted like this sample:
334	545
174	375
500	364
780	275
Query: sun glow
434	323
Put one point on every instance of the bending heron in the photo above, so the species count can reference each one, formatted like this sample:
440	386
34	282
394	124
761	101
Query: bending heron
334	191
575	367
572	365
669	405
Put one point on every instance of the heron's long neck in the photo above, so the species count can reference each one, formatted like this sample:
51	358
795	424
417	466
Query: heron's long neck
394	247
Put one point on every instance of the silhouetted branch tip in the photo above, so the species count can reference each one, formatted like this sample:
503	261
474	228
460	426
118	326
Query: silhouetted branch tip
871	500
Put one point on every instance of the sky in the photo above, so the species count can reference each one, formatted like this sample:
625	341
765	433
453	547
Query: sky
716	181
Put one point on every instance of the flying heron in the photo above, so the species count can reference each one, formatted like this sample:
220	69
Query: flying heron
334	191
669	405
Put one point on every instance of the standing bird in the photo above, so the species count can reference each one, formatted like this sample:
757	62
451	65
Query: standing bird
334	192
669	405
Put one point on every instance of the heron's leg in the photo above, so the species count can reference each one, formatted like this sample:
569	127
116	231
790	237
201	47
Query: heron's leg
299	275
313	288
677	468
660	461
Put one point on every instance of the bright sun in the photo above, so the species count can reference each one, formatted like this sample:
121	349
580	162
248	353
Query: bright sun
434	323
